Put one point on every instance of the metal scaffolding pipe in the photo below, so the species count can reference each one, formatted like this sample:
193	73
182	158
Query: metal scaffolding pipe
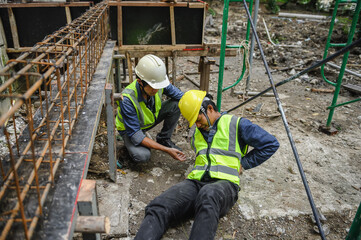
293	146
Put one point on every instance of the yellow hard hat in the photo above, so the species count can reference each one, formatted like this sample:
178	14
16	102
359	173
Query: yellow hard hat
190	105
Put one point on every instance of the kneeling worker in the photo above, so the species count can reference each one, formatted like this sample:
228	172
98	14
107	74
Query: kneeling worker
141	108
211	189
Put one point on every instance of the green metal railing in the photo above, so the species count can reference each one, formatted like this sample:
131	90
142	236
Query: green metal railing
223	50
351	33
355	230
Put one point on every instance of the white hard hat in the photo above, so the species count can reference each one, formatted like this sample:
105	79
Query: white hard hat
151	69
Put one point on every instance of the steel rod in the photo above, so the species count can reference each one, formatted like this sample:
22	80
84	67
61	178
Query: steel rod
303	176
317	64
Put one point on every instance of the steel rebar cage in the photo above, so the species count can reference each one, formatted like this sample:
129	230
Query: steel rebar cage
46	87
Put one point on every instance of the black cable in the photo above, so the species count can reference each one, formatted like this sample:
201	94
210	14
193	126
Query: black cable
308	191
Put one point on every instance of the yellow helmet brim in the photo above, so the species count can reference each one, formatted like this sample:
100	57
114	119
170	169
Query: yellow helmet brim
190	105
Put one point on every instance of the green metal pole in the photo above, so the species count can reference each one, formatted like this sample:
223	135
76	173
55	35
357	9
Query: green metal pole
244	55
344	62
223	50
328	42
222	54
243	69
355	230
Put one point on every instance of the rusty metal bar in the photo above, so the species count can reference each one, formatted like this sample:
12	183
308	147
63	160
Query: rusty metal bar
36	127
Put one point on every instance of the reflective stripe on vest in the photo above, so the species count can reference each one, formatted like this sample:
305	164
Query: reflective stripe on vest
219	168
145	116
225	153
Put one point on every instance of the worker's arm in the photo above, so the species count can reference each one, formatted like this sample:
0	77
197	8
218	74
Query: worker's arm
264	144
137	136
173	92
131	121
173	152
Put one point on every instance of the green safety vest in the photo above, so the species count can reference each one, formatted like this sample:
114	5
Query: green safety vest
145	116
224	152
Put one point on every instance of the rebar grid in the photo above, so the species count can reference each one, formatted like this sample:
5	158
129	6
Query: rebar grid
46	88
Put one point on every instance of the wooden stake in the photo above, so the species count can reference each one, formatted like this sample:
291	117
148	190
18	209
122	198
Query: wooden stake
68	15
322	90
174	67
172	25
2	33
120	27
130	68
14	29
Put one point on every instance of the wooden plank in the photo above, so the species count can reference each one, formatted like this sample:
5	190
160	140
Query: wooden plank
172	25
181	53
209	51
2	33
353	88
197	5
68	15
167	65
157	4
117	80
130	67
205	68
14	29
87	189
68	21
48	4
201	69
146	4
174	68
204	22
153	47
120	27
112	155
87	205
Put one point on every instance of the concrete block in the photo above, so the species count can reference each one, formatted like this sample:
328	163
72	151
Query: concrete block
113	202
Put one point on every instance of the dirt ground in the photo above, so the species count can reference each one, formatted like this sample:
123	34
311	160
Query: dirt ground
272	202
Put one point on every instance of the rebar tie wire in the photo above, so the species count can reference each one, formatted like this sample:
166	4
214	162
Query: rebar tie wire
308	191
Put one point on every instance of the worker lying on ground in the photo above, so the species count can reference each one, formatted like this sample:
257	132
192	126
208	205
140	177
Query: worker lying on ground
220	142
141	108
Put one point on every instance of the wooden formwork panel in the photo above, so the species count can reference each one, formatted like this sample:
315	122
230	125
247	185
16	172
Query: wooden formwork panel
26	24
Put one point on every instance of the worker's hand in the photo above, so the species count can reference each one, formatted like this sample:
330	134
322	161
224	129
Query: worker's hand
176	154
240	170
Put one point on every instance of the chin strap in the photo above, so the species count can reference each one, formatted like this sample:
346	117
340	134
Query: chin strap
203	110
142	89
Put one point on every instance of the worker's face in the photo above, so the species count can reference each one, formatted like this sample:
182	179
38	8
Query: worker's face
201	122
148	89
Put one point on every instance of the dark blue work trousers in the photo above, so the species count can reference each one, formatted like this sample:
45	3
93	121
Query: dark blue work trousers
205	201
169	113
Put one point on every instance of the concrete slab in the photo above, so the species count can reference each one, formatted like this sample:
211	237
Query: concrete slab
113	202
